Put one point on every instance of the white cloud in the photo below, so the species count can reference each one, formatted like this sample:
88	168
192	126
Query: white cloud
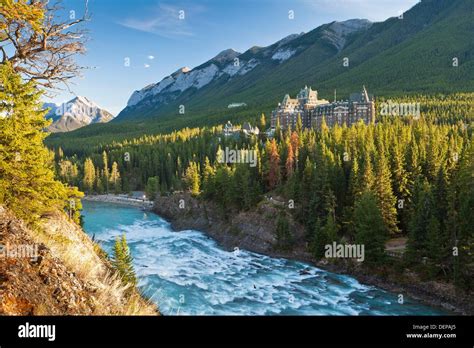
151	57
147	66
164	20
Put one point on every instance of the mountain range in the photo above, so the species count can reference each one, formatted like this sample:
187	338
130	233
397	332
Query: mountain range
74	114
413	53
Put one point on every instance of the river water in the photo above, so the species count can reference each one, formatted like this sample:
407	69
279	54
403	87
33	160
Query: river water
187	273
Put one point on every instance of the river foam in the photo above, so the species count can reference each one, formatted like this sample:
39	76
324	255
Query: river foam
187	273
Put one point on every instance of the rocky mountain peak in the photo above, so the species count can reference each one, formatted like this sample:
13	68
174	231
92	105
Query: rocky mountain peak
76	113
337	32
226	56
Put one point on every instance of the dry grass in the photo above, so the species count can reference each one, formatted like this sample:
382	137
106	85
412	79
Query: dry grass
86	260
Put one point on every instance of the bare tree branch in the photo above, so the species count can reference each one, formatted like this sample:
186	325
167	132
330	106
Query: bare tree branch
42	50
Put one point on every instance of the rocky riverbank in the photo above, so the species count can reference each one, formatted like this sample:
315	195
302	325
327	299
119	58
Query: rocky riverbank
121	199
255	231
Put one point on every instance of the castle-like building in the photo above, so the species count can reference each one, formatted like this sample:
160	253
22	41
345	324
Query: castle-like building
312	110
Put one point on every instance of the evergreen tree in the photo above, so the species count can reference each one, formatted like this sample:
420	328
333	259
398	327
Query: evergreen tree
152	187
209	173
295	145
222	182
263	122
191	178
290	160
273	177
434	241
242	192
369	228
440	192
89	176
283	233
278	132
366	178
422	212
461	220
299	124
99	182
384	193
115	177
27	184
123	262
105	177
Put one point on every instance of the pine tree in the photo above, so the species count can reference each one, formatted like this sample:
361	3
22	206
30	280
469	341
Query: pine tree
152	187
278	132
209	173
290	160
366	177
27	184
115	177
89	176
384	193
283	234
191	178
105	171
422	212
434	241
440	192
273	177
263	122
222	182
299	124
123	262
242	191
295	144
99	182
328	234
306	189
369	228
317	240
461	219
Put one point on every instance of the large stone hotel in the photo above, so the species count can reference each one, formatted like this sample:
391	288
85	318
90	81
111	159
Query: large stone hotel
312	110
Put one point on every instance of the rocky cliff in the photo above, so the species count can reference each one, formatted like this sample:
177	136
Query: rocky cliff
252	230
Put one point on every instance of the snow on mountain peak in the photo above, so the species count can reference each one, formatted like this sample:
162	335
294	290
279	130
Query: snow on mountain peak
78	112
83	100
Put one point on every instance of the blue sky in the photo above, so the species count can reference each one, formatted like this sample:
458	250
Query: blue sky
157	42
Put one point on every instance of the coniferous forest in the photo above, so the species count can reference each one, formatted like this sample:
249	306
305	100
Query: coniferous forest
402	177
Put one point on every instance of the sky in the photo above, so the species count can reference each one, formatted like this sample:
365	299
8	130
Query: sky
133	43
